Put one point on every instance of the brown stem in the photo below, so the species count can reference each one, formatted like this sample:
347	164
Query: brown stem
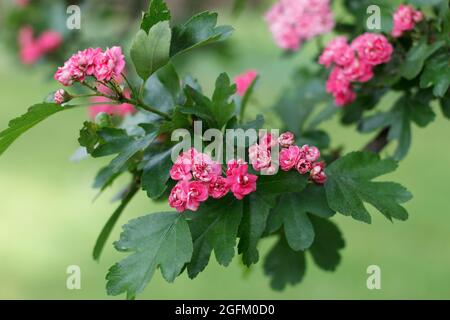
378	143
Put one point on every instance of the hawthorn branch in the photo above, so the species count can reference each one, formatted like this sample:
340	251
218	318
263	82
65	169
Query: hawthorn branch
378	143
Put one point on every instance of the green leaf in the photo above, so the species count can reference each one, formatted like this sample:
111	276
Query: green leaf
416	57
157	240
88	136
32	117
284	266
327	243
217	111
199	105
297	226
348	187
156	12
282	182
222	107
112	141
214	227
200	30
293	210
150	52
120	163
255	214
437	74
108	227
156	172
163	89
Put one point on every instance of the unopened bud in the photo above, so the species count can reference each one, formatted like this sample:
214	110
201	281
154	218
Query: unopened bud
61	96
103	120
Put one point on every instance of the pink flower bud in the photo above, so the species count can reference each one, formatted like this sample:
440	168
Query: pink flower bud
286	139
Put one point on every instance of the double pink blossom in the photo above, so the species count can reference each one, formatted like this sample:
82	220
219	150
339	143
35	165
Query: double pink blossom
187	195
317	173
292	22
103	66
286	139
373	48
353	63
241	182
405	19
218	187
289	157
31	50
244	81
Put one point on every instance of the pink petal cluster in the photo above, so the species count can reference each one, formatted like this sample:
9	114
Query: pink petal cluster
244	81
293	21
103	66
291	157
352	63
199	177
102	104
405	19
31	49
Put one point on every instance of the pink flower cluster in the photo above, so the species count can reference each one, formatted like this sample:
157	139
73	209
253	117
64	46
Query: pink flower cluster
293	21
31	49
103	66
199	177
244	81
291	157
102	104
405	18
353	63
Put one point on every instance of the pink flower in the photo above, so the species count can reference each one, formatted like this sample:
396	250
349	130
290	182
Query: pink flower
259	156
310	153
293	21
303	166
317	173
180	171
196	192
344	95
337	51
110	64
372	48
267	141
339	85
64	75
405	19
32	50
60	96
241	182
178	196
188	195
49	41
29	51
232	164
244	81
358	71
289	157
286	139
204	168
218	187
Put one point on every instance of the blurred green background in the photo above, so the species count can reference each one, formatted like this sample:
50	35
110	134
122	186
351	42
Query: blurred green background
48	220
